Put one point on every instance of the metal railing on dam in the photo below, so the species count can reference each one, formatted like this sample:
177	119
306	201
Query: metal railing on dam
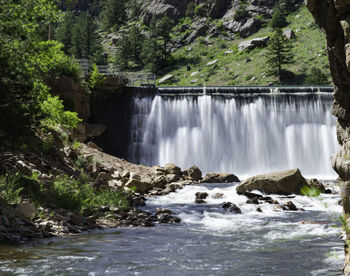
220	90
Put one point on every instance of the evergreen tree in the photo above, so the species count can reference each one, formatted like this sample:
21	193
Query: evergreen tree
135	7
136	39
63	32
130	48
155	51
278	19
152	55
279	53
85	41
163	30
113	13
123	53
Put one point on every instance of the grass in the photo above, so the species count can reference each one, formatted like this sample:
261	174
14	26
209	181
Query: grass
309	50
63	192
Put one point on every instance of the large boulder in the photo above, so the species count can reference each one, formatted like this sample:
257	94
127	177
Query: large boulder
252	43
219	178
139	186
281	182
174	9
171	168
199	29
25	210
85	131
250	27
193	173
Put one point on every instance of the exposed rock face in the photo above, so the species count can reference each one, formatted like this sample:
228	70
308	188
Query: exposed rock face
74	96
282	183
333	16
251	44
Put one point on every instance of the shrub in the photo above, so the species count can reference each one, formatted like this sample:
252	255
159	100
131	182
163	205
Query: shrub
56	116
316	77
10	193
95	77
54	62
278	19
240	14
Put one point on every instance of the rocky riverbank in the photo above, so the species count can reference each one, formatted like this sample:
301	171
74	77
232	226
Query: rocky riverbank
29	219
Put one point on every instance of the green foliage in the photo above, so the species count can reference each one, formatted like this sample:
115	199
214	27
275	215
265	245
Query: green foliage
135	7
316	77
85	40
130	48
279	53
70	194
56	116
64	192
278	19
155	52
54	62
310	191
240	14
76	145
10	193
95	77
63	32
113	14
81	162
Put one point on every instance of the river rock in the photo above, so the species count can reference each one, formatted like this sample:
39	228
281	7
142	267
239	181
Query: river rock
171	168
219	178
289	206
141	187
218	196
253	201
201	195
25	210
317	184
172	177
281	182
193	173
160	181
231	207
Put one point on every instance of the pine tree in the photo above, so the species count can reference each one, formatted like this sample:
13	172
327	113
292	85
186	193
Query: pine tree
279	53
113	13
163	29
278	19
63	32
85	41
136	39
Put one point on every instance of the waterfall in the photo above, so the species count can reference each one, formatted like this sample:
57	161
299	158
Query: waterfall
245	135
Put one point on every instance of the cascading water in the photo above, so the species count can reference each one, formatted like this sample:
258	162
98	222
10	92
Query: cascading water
245	135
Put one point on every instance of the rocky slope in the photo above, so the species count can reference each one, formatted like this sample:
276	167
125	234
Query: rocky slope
334	17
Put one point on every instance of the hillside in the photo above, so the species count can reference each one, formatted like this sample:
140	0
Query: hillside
248	67
180	38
